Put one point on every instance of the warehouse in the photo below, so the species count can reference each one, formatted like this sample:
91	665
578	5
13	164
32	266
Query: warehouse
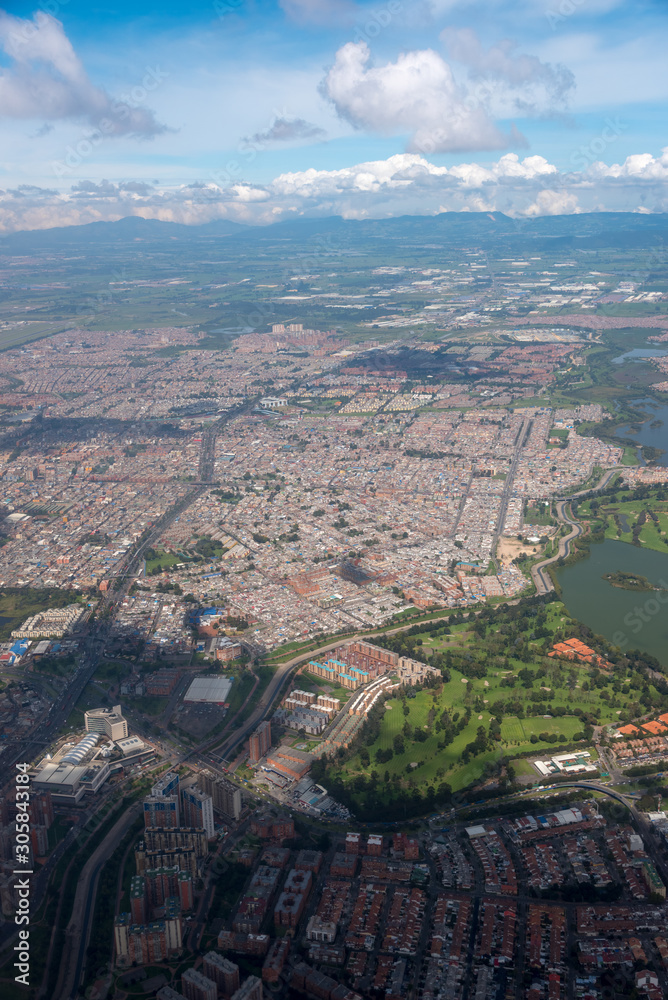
209	690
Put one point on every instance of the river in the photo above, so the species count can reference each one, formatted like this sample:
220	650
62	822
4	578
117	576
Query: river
629	619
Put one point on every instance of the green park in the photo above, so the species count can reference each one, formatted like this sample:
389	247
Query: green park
500	697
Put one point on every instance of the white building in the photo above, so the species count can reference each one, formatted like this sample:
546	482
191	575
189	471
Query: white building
109	721
68	783
273	402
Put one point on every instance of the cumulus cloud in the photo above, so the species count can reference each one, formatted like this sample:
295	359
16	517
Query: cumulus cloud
286	130
406	183
548	85
46	80
638	167
553	203
418	95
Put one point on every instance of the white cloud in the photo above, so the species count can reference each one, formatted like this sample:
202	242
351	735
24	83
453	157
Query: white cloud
509	168
406	183
47	81
553	203
417	95
248	193
639	167
541	86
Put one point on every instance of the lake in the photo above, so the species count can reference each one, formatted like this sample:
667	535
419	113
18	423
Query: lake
655	437
609	610
639	354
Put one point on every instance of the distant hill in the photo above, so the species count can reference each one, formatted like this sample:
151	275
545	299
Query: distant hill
130	228
622	229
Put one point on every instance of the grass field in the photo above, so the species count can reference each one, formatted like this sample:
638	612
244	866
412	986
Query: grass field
31	331
436	764
163	561
519	731
524	767
307	681
18	603
242	685
623	517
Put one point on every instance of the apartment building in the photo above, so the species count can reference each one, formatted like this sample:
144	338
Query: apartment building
259	742
198	810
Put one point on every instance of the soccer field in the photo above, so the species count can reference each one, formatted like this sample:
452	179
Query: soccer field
512	730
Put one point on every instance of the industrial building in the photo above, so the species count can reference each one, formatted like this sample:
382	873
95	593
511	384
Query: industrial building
209	690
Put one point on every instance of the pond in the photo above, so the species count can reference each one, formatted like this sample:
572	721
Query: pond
629	620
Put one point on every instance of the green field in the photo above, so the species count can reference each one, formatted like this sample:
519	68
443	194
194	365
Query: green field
163	560
445	763
519	731
523	767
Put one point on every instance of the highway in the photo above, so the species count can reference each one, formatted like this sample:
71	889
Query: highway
508	487
541	579
77	935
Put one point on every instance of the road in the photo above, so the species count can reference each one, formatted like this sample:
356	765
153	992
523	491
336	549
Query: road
206	469
541	579
508	488
77	935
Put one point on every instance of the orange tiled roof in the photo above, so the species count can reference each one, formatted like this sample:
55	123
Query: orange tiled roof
654	727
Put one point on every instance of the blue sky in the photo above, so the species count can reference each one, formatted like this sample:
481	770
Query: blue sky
256	111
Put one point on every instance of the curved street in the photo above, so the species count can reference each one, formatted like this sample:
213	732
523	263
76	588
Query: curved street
541	579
